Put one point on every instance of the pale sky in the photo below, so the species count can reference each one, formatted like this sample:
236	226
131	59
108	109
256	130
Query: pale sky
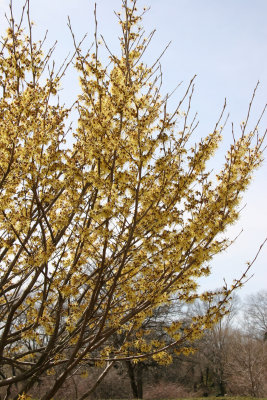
225	44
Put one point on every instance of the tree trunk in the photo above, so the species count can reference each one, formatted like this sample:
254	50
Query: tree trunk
135	373
139	379
222	388
130	368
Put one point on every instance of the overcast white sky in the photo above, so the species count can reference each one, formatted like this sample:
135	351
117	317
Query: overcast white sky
225	44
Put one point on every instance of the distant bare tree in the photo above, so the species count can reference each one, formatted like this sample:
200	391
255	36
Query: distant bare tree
214	347
247	366
256	315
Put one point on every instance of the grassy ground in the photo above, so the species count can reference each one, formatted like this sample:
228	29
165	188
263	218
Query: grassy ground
220	398
215	398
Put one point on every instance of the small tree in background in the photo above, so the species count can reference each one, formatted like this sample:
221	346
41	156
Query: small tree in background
97	235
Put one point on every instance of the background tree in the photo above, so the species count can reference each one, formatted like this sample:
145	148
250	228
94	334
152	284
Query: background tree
214	349
248	349
97	234
247	365
255	320
154	328
228	359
